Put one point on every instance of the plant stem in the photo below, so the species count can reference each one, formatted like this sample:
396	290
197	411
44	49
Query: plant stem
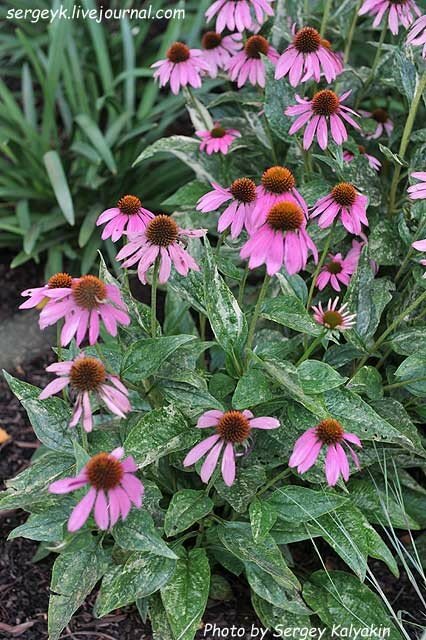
243	285
411	250
319	265
188	94
58	340
389	330
279	476
311	348
406	139
220	241
256	313
403	383
154	298
84	441
351	33
375	63
325	17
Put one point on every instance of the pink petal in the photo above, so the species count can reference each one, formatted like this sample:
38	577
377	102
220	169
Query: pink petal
81	511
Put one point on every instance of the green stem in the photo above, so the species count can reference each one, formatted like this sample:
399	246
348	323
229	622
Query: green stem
274	480
325	17
154	298
406	139
58	340
403	383
375	63
188	94
84	441
319	265
256	313
351	33
314	344
243	285
391	328
220	241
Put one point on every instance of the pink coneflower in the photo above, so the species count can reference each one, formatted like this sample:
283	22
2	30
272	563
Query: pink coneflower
344	201
331	434
374	163
113	489
278	184
420	245
182	66
129	216
399	12
307	57
338	270
57	286
417	34
88	375
218	49
84	305
334	318
238	214
237	14
418	191
323	111
218	140
161	240
384	123
232	429
248	64
282	239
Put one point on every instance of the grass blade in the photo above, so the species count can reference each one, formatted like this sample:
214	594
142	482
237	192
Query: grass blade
59	184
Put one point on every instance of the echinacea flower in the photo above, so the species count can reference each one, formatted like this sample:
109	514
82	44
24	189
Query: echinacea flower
417	34
398	12
83	306
56	286
238	213
418	191
129	216
306	58
162	240
334	318
343	201
281	240
384	123
218	140
233	428
86	376
278	184
113	488
420	245
338	270
374	163
181	67
323	111
247	65
218	49
237	14
329	433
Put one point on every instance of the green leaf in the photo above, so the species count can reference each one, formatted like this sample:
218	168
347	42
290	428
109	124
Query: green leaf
316	376
186	196
186	507
278	618
145	357
300	504
97	139
379	505
290	312
278	95
413	367
158	433
59	184
384	243
367	381
392	157
74	575
262	519
138	533
247	482
46	526
141	575
253	388
49	418
339	598
409	341
185	595
157	614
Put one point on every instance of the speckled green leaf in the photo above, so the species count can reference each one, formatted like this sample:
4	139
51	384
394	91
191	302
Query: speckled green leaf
290	312
46	526
276	617
49	418
316	376
278	95
300	504
185	595
186	196
367	381
186	507
384	243
247	482
262	519
138	533
379	505
339	598
159	432
253	388
409	341
266	587
413	367
161	629
142	575
145	357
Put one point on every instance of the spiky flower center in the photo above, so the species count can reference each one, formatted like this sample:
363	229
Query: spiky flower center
211	40
162	231
278	180
325	103
307	40
362	149
89	292
332	319
60	281
334	267
255	46
329	431
218	132
380	115
233	427
344	194
243	190
129	205
104	471
285	216
87	374
178	52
